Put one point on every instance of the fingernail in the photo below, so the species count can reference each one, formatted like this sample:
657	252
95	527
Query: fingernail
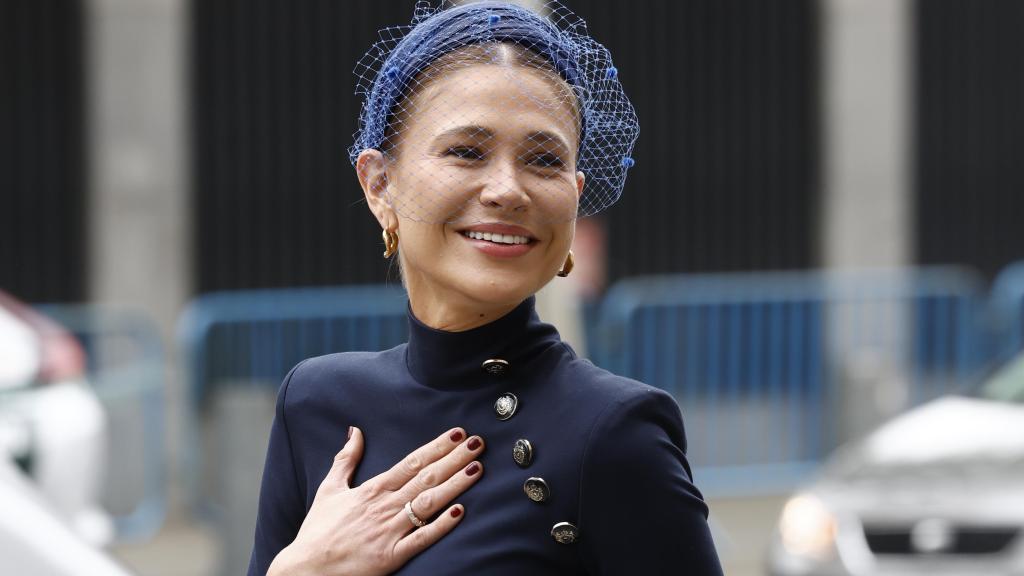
456	512
472	469
456	436
349	437
473	444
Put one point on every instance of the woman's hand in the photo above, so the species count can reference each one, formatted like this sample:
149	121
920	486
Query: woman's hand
365	530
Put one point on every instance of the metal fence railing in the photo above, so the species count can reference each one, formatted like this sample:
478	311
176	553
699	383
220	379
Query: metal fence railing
1008	301
251	339
125	367
773	370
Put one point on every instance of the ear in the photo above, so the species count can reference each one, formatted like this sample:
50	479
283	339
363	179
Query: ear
580	180
371	168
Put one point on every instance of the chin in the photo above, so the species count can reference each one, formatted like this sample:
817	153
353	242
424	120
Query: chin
498	291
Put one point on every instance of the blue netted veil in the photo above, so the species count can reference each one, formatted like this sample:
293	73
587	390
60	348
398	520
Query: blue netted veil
607	122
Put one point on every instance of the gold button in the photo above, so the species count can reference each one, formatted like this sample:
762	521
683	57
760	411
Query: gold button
505	406
565	533
495	366
522	452
536	489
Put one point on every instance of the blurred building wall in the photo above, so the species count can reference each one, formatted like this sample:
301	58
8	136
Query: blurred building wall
734	162
138	203
727	162
866	215
969	133
867	219
42	153
727	173
276	202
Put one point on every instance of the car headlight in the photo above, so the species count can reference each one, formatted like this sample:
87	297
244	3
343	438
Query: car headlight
807	527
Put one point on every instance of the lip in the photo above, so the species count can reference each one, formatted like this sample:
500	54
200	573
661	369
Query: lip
499	250
499	228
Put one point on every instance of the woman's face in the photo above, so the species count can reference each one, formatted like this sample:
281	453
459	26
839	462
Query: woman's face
483	186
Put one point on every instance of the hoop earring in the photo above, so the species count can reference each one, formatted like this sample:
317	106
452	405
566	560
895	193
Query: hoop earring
390	242
566	266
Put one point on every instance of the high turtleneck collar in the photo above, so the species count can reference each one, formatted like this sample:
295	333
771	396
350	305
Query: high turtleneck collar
452	360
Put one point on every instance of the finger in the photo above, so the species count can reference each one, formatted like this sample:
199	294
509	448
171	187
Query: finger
430	501
423	456
346	460
440	471
422	538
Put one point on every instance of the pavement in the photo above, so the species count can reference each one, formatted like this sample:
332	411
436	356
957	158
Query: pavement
742	528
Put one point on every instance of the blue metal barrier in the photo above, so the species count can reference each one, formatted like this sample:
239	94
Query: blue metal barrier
1008	300
126	369
257	336
757	361
762	364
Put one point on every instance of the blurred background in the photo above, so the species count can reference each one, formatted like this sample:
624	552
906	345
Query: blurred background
815	254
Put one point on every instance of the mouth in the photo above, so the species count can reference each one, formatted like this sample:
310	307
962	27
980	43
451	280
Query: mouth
496	238
500	240
498	233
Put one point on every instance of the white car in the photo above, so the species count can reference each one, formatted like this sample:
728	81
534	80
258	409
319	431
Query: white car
34	539
938	490
52	427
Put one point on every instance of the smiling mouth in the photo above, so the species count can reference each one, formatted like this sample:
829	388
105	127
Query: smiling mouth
496	238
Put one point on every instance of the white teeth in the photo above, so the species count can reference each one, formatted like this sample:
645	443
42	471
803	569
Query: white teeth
498	238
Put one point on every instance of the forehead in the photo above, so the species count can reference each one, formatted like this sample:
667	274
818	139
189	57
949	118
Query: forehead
506	99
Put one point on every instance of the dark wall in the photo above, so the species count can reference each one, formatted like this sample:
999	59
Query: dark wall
727	160
276	200
970	132
728	157
42	176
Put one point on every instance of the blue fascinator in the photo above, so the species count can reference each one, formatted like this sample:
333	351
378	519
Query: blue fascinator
608	122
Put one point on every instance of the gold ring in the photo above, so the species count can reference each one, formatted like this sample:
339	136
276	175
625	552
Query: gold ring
412	516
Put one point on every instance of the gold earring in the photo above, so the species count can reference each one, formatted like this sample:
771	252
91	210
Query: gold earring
390	242
567	266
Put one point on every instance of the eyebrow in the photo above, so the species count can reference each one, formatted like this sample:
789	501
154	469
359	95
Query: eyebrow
476	131
543	136
473	131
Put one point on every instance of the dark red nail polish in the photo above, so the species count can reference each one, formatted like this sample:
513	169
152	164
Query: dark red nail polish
473	444
456	512
473	469
456	436
349	433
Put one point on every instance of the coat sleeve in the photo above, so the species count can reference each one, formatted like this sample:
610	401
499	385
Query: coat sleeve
281	506
640	512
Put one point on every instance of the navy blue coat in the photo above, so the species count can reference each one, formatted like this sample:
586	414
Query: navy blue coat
612	451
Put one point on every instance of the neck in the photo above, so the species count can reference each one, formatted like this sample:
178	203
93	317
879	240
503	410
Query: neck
451	310
454	360
455	316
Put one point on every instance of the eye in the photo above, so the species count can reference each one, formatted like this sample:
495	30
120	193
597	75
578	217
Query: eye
546	160
465	152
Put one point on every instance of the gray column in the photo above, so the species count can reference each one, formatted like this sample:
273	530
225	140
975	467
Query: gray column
139	203
867	209
867	82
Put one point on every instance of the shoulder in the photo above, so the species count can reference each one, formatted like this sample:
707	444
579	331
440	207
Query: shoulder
313	379
614	394
607	407
622	408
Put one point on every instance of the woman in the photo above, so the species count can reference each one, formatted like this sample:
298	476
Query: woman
486	131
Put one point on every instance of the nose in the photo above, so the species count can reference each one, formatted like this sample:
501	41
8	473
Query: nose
503	188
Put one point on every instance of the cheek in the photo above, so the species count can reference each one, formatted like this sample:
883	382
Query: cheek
563	237
557	198
431	191
426	247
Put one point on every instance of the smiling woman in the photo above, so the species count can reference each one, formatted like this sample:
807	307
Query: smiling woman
487	130
480	183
